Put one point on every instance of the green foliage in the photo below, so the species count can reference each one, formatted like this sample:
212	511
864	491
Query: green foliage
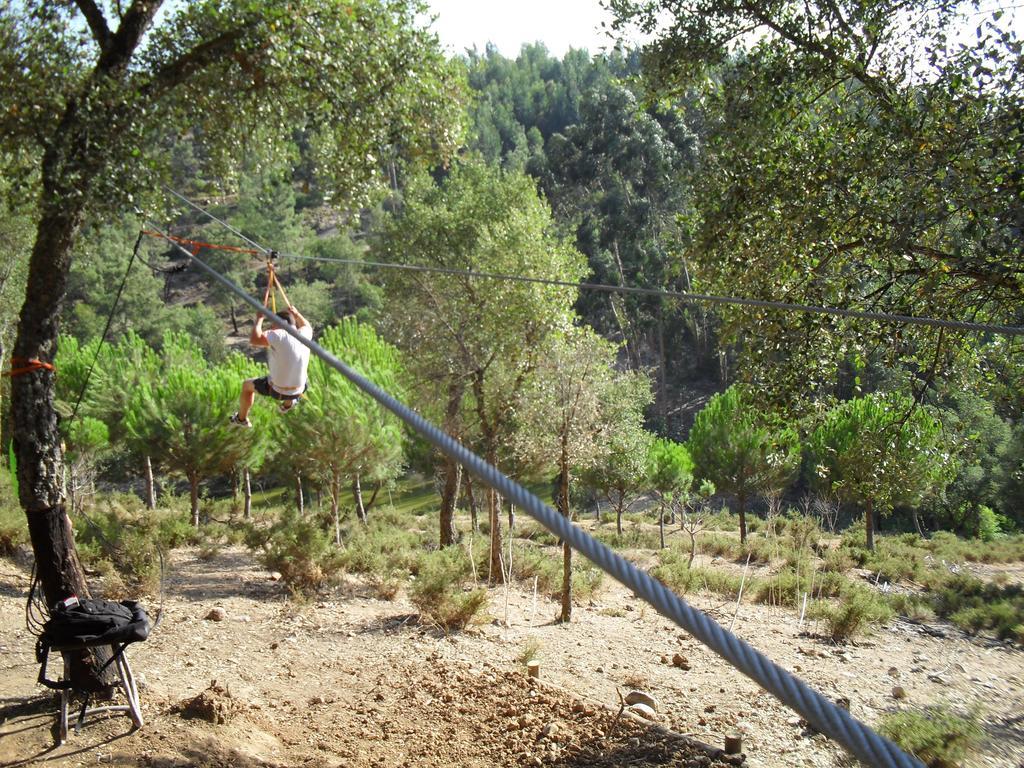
987	458
669	469
975	605
880	451
935	734
383	549
211	69
439	590
674	572
338	433
1003	549
843	143
741	451
471	343
182	416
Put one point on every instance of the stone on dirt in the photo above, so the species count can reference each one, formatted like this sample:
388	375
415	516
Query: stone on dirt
639	697
644	711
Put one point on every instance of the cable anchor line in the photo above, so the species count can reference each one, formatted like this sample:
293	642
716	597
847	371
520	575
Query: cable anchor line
824	715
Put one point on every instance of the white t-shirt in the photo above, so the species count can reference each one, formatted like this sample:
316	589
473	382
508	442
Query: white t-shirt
288	360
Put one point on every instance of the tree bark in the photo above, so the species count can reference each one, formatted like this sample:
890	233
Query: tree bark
298	495
150	487
193	492
335	493
661	525
869	525
742	499
563	493
474	510
373	497
357	494
452	469
662	404
494	517
916	518
247	488
449	497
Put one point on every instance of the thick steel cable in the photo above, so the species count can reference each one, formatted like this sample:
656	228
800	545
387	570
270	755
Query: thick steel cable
697	298
824	715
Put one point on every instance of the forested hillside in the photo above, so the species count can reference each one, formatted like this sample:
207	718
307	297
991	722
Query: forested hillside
858	443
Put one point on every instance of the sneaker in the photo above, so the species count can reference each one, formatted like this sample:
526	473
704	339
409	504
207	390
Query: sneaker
286	405
240	422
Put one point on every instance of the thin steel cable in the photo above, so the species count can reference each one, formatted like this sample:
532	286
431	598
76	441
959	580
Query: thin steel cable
106	328
822	714
223	223
697	298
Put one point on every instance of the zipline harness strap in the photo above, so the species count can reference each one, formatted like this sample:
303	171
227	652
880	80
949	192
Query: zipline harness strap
27	365
824	715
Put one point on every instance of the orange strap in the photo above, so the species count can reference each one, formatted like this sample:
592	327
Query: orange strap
28	366
275	286
196	245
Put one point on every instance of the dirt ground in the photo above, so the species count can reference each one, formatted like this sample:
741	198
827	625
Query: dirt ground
349	680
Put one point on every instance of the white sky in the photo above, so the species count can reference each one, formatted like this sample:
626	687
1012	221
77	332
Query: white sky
559	24
564	24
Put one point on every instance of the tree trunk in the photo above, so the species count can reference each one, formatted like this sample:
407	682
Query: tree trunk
917	522
70	163
662	399
511	517
247	488
234	486
150	487
193	492
335	493
234	317
474	510
563	493
452	469
298	495
661	525
373	497
618	515
869	526
494	517
357	494
449	498
742	499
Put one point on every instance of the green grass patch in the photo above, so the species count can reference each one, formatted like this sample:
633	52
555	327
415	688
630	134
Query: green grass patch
936	735
978	606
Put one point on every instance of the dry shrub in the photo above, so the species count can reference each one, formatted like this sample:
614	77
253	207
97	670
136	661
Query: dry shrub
441	591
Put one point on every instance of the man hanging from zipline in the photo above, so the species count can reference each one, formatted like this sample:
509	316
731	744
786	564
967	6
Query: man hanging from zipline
287	358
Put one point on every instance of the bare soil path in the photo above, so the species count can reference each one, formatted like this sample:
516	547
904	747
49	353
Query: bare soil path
353	681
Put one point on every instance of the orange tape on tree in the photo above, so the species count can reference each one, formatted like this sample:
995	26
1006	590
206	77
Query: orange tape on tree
27	365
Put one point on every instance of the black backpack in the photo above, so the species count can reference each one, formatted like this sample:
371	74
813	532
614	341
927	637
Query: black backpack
76	623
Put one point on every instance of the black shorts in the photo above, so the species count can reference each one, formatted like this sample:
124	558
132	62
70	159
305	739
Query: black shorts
262	385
